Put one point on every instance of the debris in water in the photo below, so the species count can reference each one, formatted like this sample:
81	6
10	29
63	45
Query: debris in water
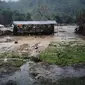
8	39
16	42
5	60
36	47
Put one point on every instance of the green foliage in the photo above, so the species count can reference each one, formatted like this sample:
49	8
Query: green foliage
63	11
14	59
7	15
10	55
17	63
20	16
14	63
65	18
81	18
64	53
46	9
81	23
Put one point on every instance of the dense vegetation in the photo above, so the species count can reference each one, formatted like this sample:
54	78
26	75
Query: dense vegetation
7	16
81	23
63	11
64	53
49	9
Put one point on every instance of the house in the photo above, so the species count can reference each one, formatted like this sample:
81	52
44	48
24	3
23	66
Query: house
33	27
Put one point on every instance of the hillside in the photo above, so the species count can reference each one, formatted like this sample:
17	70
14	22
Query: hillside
61	10
3	5
49	7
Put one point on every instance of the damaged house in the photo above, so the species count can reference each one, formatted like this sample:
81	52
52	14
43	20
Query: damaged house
33	27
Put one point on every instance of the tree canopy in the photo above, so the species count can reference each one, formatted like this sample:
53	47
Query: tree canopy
63	11
7	16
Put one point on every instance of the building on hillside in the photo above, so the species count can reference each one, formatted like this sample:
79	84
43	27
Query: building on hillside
33	27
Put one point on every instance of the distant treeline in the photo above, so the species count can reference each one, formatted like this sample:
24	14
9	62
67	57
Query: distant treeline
7	16
63	11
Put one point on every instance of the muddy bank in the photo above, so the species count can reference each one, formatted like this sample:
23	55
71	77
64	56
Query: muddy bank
54	72
43	74
9	66
26	44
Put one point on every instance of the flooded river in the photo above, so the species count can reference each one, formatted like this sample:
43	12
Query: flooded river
62	33
32	73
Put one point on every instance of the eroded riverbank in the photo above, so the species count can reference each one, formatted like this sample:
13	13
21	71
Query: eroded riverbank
44	74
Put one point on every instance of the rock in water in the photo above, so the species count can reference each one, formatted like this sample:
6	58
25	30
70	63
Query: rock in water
5	60
16	42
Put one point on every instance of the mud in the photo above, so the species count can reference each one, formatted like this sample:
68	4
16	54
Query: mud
43	73
56	72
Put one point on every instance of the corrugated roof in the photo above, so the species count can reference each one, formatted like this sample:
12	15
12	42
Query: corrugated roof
1	25
33	22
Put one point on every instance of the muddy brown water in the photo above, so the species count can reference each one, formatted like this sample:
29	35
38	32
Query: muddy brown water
62	33
22	76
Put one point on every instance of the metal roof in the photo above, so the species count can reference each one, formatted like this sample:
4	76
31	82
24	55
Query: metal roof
33	22
1	25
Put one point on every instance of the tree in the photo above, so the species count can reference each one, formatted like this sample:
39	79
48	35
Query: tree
58	19
28	17
81	23
17	16
7	15
81	18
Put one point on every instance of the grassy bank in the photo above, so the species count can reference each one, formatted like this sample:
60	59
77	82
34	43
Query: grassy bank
64	53
14	55
13	63
13	59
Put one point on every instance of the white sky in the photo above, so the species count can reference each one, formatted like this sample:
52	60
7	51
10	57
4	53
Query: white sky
9	0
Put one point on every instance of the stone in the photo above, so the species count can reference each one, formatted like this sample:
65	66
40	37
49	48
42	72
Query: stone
16	42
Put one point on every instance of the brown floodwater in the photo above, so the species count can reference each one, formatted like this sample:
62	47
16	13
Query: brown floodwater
62	33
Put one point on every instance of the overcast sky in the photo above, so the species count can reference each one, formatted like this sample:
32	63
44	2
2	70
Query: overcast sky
9	0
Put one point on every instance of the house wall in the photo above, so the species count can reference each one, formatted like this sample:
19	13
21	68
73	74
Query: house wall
33	29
